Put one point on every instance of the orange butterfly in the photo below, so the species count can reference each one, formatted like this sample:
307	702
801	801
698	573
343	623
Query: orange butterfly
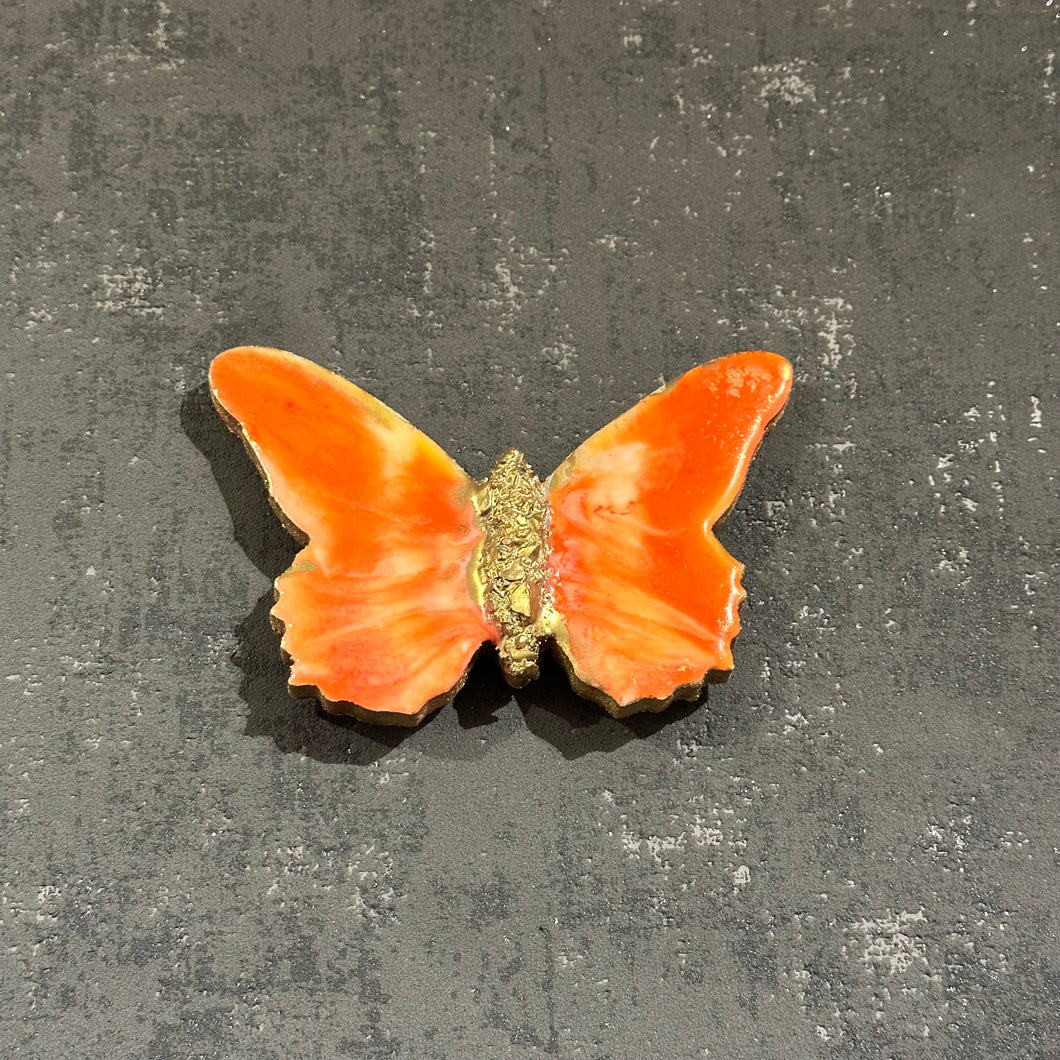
410	565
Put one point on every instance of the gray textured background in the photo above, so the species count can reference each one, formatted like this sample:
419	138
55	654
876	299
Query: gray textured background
509	221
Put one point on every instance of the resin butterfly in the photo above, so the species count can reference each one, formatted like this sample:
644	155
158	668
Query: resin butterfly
409	565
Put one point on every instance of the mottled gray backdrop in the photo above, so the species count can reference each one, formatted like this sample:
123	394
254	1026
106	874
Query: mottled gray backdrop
510	220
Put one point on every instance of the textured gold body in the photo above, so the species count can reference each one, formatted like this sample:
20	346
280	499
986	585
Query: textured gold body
508	577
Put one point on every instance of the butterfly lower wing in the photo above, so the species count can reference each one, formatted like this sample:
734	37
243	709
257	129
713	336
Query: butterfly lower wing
646	598
377	611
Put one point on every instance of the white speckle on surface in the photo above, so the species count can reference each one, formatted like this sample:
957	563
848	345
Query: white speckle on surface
128	289
35	318
304	869
521	277
393	770
785	82
1036	413
160	34
891	944
837	342
561	354
569	960
829	317
969	477
614	242
954	561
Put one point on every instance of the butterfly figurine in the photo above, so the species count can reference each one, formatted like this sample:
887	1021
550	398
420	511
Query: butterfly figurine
409	565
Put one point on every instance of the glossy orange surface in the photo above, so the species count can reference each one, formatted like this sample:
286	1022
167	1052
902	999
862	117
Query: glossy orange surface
646	597
377	610
385	606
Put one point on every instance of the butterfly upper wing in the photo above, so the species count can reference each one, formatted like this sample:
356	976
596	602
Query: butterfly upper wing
645	596
378	614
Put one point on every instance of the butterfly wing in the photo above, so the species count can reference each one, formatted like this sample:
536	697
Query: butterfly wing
377	610
645	596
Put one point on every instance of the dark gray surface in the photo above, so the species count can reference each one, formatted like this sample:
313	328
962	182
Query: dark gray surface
509	220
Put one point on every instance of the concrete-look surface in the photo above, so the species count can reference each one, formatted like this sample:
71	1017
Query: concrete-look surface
509	221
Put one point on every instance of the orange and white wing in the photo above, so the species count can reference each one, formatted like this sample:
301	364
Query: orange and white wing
646	598
377	609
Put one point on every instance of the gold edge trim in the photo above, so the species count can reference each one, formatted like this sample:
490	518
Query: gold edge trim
688	692
475	581
347	707
237	428
559	642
